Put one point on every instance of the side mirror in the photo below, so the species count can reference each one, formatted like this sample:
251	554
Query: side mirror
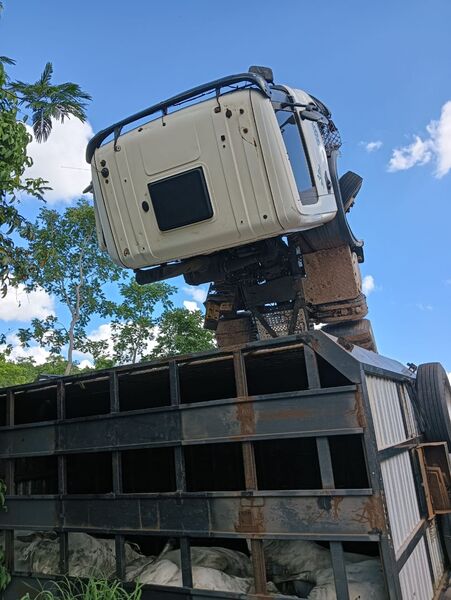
313	115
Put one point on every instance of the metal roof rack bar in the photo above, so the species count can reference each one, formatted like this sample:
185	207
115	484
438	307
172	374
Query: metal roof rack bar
217	84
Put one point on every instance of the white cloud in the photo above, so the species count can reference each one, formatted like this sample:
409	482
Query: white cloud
372	146
424	307
419	152
368	285
18	305
38	354
86	364
196	293
61	160
434	147
191	306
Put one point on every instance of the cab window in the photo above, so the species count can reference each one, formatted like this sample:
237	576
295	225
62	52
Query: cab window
295	149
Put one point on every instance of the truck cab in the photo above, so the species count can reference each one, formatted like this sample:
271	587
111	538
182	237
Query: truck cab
197	178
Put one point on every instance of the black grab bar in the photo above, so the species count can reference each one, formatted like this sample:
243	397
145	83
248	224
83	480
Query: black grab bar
216	85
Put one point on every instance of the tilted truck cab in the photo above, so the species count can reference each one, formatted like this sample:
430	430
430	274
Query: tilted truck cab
243	166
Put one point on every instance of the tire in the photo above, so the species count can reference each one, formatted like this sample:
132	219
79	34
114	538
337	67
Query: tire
434	399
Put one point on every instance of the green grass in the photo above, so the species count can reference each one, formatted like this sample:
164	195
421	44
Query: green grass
92	589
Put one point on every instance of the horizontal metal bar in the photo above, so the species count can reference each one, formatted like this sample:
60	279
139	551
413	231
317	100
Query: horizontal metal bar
409	444
253	517
327	412
183	494
410	545
217	84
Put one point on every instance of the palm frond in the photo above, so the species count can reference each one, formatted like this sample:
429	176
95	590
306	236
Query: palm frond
46	75
42	124
48	102
5	60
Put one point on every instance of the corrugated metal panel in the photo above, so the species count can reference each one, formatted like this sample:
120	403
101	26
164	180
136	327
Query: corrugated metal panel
409	414
415	577
435	552
386	411
401	497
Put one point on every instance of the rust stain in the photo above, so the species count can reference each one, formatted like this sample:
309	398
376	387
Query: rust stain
372	513
330	506
336	501
358	411
295	413
250	520
246	416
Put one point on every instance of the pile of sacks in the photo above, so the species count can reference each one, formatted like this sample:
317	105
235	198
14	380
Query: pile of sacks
295	568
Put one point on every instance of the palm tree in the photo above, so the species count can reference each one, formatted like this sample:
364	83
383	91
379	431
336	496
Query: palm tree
47	101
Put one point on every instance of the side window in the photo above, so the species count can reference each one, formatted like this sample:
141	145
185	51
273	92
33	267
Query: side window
295	149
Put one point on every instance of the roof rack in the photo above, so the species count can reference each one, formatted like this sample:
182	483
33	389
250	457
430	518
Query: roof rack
216	85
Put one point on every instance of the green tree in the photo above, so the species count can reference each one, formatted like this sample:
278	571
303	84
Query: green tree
12	373
134	322
182	332
68	264
44	102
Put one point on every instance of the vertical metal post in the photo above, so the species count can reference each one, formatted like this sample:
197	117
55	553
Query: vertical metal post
119	541
115	456
327	480
339	567
250	476
62	480
114	392
325	463
180	475
10	485
119	546
311	367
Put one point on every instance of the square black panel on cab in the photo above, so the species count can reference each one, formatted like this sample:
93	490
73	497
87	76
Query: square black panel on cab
180	200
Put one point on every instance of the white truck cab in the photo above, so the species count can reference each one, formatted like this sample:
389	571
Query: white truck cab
245	165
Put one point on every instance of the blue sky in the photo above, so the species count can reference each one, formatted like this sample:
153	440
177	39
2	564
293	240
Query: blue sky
382	67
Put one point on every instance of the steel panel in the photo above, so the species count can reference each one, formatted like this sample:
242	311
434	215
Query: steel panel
401	498
273	415
386	411
278	415
415	577
435	552
199	516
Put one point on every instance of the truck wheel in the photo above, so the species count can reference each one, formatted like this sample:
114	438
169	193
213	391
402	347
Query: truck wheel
434	398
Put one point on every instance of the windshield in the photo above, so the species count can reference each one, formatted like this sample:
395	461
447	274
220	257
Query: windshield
295	149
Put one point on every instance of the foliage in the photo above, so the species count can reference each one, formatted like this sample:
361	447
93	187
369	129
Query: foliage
25	370
44	102
12	373
92	589
69	265
47	101
181	332
134	323
14	139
